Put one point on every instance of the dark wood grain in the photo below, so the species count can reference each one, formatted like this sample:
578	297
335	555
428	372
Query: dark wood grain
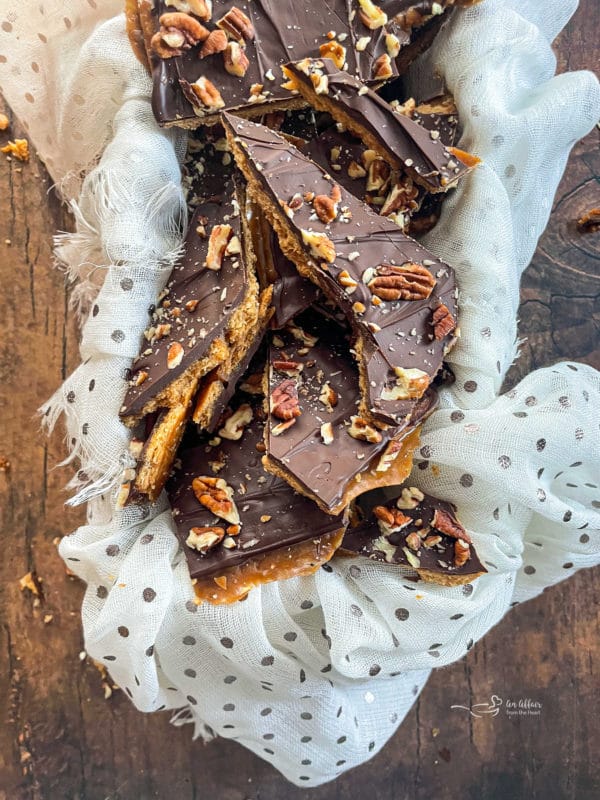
59	737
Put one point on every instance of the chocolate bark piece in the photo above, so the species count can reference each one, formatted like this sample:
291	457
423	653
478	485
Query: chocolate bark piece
206	311
418	532
271	514
315	439
397	138
363	263
246	77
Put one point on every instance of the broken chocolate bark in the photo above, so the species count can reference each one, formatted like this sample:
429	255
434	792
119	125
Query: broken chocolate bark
401	141
398	297
419	532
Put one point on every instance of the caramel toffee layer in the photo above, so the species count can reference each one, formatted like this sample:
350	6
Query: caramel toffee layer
195	307
271	514
416	531
363	263
313	434
239	48
403	142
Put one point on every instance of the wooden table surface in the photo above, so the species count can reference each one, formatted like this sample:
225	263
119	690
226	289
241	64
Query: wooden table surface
59	737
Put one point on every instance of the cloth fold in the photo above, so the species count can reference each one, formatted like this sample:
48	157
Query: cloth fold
315	674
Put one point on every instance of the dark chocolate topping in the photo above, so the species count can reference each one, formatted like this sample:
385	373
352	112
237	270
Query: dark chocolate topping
218	294
394	334
401	140
283	30
326	371
288	517
372	539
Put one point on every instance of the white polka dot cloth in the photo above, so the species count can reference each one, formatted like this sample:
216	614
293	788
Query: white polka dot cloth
315	674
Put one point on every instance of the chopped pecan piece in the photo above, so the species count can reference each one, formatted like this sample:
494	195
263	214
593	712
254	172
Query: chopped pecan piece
462	552
291	368
432	541
174	355
408	282
235	60
199	8
215	42
204	539
410	384
328	396
327	433
443	322
217	244
413	540
235	424
401	197
281	427
217	496
371	15
360	429
382	68
320	245
410	498
237	25
325	208
178	32
391	520
378	175
446	523
203	95
335	51
284	400
355	170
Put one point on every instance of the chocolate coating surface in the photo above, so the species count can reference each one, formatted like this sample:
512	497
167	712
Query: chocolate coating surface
218	294
369	539
291	516
396	334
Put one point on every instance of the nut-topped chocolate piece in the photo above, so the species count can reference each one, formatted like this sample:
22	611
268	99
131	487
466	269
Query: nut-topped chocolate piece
227	54
401	141
419	532
228	510
315	437
398	297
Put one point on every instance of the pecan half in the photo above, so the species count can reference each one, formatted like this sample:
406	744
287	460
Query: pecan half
284	400
204	539
408	282
215	42
444	522
217	244
462	552
235	60
237	25
443	322
217	496
178	32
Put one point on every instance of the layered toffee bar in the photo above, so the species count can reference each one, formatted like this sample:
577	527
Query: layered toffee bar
418	532
207	317
399	298
240	526
315	438
223	55
400	140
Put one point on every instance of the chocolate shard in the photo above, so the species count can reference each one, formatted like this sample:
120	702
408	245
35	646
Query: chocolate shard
209	306
269	517
196	73
315	438
418	532
392	290
401	141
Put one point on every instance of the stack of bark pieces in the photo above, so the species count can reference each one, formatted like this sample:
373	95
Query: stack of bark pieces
297	344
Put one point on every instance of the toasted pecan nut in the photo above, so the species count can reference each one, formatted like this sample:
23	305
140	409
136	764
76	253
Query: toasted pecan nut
371	15
443	322
288	366
462	552
199	8
382	68
215	495
216	42
236	424
401	197
328	396
335	51
446	523
320	245
391	519
360	429
178	32
325	208
378	175
410	498
237	25
204	539
217	244
408	282
235	59
174	355
284	400
208	94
